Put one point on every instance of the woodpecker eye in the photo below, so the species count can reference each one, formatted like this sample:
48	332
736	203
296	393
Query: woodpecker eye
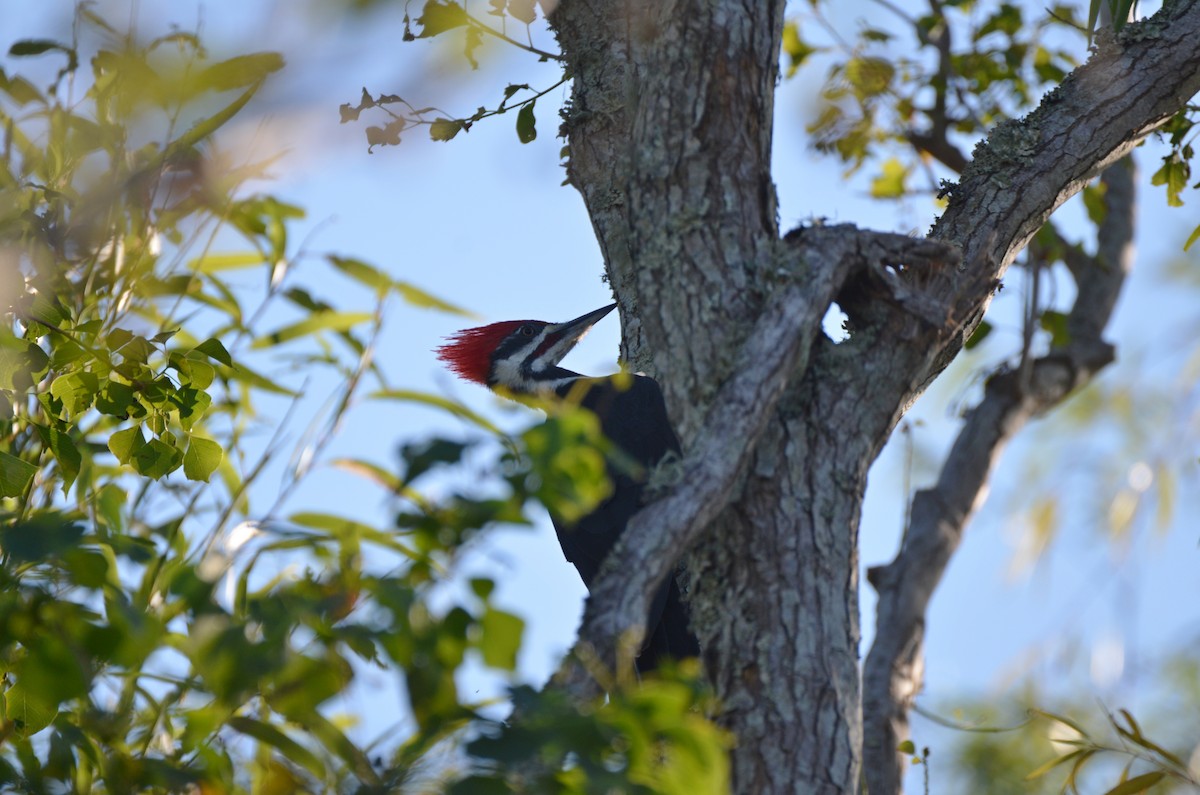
527	330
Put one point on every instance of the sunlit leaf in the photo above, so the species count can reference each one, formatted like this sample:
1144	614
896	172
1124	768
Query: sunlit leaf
124	444
457	409
213	349
500	638
76	390
439	16
215	263
1174	174
1137	783
206	127
361	272
28	712
241	71
445	129
202	458
372	472
890	183
796	49
324	321
869	76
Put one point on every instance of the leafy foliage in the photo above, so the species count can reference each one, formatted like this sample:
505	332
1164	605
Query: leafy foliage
157	632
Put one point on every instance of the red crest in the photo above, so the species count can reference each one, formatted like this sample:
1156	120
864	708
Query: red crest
468	353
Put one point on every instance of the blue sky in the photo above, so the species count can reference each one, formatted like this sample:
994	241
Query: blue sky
484	222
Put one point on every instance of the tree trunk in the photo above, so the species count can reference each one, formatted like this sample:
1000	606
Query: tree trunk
669	126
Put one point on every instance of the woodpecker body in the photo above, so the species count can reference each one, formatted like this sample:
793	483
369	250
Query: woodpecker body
521	357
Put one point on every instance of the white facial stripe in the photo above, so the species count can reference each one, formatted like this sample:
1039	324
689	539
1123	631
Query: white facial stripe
555	353
512	372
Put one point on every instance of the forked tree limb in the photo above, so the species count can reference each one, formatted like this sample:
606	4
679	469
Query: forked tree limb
816	264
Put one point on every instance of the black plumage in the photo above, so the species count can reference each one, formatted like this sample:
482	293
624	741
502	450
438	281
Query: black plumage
633	416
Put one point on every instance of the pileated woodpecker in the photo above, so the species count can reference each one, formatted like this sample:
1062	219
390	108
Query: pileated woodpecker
521	357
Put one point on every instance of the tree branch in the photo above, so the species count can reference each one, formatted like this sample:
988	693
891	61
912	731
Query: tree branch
1019	175
1027	168
893	672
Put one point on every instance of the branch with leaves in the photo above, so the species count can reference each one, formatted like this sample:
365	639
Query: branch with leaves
893	672
438	18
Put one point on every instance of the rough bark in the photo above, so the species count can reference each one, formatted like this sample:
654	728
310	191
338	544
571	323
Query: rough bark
670	132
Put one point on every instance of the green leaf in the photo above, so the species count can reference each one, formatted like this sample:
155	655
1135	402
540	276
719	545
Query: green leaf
323	321
906	747
978	335
1192	238
361	272
1045	768
206	127
1093	201
797	50
526	123
1137	783
195	373
124	444
156	458
215	263
270	735
500	639
202	458
27	47
439	17
420	457
76	390
890	183
109	502
869	77
458	410
15	475
213	349
418	297
43	536
372	472
1174	174
445	129
20	89
63	448
254	380
28	713
1056	323
342	528
241	71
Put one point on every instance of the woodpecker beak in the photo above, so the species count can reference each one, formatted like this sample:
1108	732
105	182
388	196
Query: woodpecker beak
560	338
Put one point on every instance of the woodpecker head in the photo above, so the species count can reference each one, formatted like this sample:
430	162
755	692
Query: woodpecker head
520	356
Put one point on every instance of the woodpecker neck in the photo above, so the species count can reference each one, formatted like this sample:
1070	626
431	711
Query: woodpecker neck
522	381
